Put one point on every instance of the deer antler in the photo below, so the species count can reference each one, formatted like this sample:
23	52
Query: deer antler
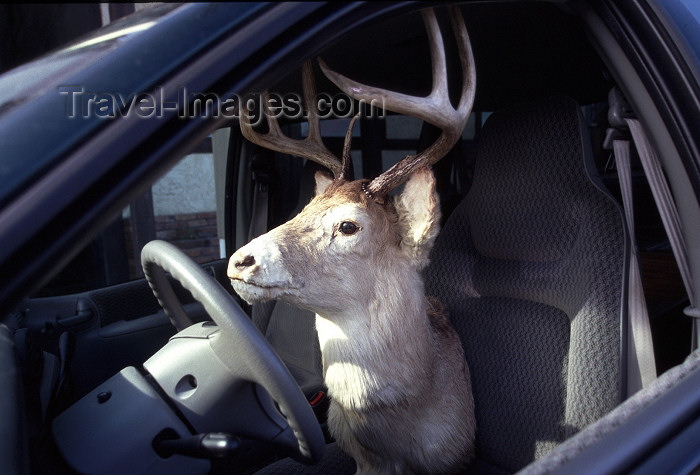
435	109
312	146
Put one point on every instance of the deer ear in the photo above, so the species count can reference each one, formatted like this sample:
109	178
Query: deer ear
418	208
323	181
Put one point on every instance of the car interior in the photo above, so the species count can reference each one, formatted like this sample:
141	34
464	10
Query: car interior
532	261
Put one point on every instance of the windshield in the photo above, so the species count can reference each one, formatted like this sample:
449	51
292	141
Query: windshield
43	103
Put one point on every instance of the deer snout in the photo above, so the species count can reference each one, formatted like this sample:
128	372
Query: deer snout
259	262
246	261
258	271
242	262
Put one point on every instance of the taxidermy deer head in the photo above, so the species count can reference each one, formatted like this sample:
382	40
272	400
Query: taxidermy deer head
353	257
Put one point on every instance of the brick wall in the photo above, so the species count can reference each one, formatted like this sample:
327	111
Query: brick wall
194	233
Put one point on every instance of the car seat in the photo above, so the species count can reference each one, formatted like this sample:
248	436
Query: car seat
531	266
290	330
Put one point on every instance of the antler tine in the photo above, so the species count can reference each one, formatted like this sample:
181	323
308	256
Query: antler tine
435	108
311	146
348	170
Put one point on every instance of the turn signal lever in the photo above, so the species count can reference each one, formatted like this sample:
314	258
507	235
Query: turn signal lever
209	445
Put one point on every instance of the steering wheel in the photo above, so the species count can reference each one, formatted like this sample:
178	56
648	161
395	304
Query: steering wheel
240	345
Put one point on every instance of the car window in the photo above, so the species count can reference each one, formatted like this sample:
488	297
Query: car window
179	208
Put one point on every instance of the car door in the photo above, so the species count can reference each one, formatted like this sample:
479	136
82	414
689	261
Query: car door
47	216
99	312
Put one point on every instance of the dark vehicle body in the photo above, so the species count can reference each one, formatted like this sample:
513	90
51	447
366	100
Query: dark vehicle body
87	130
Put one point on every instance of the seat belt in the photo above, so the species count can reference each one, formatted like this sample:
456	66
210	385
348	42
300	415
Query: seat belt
669	216
621	118
258	222
641	369
641	365
261	169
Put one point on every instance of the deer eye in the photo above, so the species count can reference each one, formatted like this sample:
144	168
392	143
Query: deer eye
348	228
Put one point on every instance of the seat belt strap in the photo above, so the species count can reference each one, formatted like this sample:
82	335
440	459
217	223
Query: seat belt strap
641	369
258	222
261	169
669	216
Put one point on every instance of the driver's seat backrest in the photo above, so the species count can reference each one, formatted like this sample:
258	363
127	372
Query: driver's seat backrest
531	267
291	330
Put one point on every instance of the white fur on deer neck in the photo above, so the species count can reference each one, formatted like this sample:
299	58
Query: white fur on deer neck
363	282
361	346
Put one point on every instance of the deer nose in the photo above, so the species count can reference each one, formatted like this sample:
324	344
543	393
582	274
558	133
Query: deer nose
241	263
247	261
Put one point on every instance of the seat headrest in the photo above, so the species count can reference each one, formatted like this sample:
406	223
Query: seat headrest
531	181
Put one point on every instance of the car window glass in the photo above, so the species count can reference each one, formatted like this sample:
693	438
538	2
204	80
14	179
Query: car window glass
180	208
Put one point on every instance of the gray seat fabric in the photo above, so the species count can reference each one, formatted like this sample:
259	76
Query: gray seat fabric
290	330
292	333
587	443
334	462
531	267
